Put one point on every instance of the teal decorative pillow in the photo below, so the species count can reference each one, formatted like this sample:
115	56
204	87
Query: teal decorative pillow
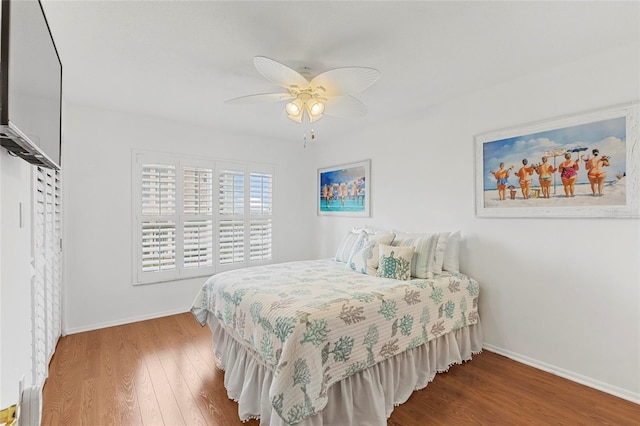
395	262
364	255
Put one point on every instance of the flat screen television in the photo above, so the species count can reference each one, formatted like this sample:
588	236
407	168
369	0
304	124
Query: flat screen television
31	91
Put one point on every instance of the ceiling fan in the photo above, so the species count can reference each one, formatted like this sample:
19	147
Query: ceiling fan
327	93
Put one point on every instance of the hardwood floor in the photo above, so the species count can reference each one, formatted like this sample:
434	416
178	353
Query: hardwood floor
163	372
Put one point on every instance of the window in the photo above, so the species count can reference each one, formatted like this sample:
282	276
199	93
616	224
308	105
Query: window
231	216
260	205
245	201
195	217
198	217
159	217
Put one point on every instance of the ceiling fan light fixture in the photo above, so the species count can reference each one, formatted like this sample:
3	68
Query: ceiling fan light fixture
293	108
315	111
296	118
316	108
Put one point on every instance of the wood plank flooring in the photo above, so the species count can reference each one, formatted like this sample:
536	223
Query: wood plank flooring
163	372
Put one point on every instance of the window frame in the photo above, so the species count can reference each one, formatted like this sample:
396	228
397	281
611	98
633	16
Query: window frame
180	272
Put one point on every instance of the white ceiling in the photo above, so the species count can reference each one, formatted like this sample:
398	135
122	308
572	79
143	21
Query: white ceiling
183	59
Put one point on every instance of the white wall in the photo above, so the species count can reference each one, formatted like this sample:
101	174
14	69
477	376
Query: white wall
98	213
15	277
561	294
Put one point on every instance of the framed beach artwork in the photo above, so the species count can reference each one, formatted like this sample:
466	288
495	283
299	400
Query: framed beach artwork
579	166
345	190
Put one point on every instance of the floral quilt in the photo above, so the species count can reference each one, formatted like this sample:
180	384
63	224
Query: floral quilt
316	322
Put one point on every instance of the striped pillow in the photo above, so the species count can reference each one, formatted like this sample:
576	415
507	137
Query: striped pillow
346	245
424	256
443	240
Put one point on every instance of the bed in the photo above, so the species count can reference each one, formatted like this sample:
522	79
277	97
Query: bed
321	343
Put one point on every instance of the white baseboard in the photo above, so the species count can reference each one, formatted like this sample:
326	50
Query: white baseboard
74	330
566	374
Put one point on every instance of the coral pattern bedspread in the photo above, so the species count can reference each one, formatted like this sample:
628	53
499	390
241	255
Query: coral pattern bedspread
317	322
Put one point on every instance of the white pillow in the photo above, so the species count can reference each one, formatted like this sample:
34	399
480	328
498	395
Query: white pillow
395	262
346	245
443	238
370	229
424	257
364	255
452	253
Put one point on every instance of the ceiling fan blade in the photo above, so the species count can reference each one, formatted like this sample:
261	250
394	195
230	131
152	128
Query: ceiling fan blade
345	107
261	98
345	81
278	73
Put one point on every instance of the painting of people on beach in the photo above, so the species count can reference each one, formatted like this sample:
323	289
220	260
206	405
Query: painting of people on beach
578	166
344	190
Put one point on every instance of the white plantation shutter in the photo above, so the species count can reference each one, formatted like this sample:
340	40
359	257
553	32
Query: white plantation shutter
231	241
260	247
231	190
231	224
194	216
159	218
198	217
39	281
245	223
261	204
261	198
198	243
158	246
57	263
198	191
47	263
158	190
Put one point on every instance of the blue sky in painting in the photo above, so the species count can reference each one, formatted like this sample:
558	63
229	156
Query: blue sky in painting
343	175
608	136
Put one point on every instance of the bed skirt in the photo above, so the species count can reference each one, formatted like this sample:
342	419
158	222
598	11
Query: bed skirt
365	398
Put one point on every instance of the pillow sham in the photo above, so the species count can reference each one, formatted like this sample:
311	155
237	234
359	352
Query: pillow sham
395	262
346	245
374	230
443	241
364	255
452	253
423	262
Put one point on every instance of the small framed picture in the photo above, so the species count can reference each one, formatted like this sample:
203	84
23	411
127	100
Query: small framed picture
345	190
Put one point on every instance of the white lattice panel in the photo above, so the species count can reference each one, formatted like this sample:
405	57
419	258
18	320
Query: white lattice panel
47	263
